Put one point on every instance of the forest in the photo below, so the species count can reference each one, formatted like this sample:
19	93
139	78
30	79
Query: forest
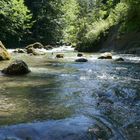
84	24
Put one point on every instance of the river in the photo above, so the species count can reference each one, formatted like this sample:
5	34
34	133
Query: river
66	100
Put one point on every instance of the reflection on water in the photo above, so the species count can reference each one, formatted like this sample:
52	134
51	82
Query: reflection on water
78	101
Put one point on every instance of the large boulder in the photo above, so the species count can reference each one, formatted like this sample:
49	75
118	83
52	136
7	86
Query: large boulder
81	60
48	47
106	55
18	67
36	45
4	55
34	49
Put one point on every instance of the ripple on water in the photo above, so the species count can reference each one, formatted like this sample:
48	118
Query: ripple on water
75	128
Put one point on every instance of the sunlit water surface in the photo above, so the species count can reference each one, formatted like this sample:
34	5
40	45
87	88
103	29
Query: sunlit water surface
65	100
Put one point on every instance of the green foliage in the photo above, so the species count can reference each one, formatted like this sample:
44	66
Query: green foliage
14	20
96	21
132	22
70	10
82	23
47	27
98	30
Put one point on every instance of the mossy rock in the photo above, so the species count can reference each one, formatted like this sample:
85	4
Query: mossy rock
18	67
4	55
59	55
105	55
36	45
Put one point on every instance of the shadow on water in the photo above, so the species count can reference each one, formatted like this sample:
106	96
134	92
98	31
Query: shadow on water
65	100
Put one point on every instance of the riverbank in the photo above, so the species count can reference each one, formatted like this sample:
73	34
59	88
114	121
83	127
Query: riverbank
113	41
128	43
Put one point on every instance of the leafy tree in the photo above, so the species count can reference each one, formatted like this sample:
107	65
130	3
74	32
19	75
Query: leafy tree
14	20
82	23
47	26
70	10
104	19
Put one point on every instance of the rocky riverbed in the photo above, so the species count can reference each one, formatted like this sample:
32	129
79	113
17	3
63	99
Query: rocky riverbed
61	99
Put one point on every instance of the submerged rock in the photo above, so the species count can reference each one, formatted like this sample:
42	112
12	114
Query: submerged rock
17	67
31	51
48	47
79	55
4	55
81	60
19	51
119	59
106	55
66	129
60	56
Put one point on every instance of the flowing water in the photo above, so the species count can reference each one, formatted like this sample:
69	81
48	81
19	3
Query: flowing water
65	100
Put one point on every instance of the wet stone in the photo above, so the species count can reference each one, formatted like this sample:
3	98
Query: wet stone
17	67
81	60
